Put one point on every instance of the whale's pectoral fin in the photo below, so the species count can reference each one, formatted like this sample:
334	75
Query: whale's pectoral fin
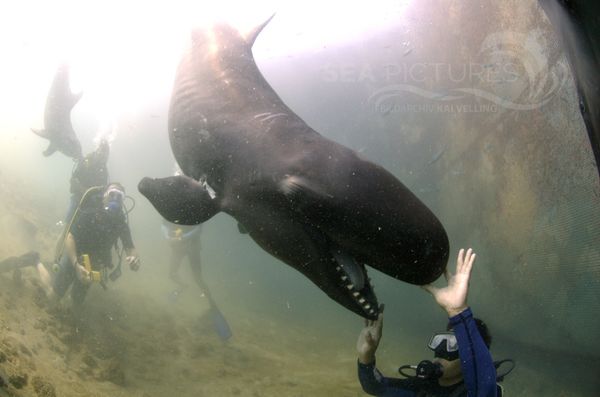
50	150
294	186
180	199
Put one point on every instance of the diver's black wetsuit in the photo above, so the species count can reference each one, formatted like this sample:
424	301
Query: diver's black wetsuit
95	232
88	172
476	362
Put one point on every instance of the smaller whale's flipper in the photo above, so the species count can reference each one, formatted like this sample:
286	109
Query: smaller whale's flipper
180	199
42	133
50	150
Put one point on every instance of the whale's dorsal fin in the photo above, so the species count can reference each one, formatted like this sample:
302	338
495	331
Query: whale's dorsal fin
253	34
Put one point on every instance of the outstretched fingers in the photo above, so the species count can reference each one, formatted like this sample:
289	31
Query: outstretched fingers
464	262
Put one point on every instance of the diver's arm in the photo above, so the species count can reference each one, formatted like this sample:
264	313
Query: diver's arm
477	366
132	257
476	361
71	249
371	380
375	384
125	236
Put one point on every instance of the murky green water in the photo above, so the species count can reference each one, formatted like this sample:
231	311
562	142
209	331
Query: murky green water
471	105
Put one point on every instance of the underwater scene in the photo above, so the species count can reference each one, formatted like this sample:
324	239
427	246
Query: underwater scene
204	199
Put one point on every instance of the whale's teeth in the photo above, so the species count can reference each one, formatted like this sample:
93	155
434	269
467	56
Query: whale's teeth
344	278
355	294
367	306
349	286
338	268
371	311
361	301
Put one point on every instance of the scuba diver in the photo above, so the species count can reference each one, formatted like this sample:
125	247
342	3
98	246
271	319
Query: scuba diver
89	171
463	365
84	254
185	242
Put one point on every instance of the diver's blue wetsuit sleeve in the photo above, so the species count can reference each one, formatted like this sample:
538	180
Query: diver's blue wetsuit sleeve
476	361
375	384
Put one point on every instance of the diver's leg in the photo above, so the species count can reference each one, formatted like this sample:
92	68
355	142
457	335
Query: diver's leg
177	254
64	277
194	257
78	292
31	258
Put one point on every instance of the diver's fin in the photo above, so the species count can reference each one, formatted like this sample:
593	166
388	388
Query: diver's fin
349	265
220	323
50	150
181	199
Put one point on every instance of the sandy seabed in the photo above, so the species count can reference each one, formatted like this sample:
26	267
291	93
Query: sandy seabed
126	344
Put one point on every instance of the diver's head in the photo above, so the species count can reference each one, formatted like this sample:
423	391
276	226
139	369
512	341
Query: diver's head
445	348
113	197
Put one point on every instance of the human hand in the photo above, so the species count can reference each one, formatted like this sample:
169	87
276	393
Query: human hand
82	274
368	339
133	261
453	298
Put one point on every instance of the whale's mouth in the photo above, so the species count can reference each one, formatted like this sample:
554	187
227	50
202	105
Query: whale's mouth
354	280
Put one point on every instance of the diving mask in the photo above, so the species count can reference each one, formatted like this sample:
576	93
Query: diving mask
444	345
113	198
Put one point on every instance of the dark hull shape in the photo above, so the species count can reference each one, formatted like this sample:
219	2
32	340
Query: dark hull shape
311	202
57	117
577	24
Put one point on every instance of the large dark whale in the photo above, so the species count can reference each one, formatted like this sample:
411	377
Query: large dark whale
57	117
577	25
311	202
